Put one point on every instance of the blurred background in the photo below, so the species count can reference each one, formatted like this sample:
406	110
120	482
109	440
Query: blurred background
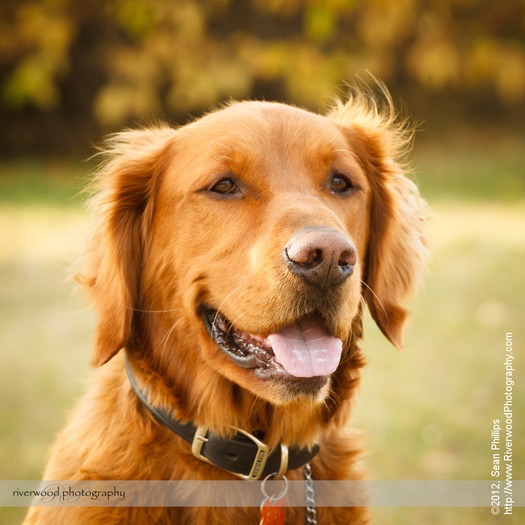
72	71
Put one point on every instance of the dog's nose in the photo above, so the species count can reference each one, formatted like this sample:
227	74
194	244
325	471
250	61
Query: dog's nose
321	256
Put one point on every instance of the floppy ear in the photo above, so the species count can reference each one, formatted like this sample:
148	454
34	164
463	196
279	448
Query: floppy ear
122	207
397	244
396	248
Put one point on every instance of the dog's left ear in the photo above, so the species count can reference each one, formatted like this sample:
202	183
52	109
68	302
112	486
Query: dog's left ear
123	206
397	250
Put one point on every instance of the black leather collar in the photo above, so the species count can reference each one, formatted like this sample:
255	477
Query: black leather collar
243	455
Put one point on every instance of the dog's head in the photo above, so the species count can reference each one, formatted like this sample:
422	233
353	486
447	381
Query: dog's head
238	249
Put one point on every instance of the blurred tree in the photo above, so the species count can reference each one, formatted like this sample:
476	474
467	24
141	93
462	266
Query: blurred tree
79	60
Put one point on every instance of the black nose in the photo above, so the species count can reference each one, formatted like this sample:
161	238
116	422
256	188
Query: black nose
321	256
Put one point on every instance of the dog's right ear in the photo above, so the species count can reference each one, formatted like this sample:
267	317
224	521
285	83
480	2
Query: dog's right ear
122	205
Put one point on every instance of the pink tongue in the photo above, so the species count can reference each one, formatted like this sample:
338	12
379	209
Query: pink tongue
306	350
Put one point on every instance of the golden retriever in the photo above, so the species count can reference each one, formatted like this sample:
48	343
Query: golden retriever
229	263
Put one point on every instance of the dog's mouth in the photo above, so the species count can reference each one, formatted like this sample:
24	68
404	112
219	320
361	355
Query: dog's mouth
303	351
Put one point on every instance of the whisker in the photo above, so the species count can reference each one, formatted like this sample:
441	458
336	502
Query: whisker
239	296
349	356
235	321
219	144
376	297
252	410
219	309
152	311
76	312
351	153
166	338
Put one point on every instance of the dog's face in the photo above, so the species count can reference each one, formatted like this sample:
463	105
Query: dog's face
264	224
247	241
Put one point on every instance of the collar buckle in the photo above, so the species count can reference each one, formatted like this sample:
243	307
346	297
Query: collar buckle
201	437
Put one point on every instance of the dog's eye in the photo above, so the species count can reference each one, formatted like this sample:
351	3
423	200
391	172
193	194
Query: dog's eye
340	184
224	186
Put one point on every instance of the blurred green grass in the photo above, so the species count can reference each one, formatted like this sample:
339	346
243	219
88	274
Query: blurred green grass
43	183
426	413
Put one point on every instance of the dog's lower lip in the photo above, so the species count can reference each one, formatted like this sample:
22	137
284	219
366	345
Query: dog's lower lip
242	352
312	383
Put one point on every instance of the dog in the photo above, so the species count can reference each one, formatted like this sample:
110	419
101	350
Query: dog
230	262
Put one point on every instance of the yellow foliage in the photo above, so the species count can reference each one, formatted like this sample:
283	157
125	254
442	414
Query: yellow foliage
32	81
159	57
387	23
510	75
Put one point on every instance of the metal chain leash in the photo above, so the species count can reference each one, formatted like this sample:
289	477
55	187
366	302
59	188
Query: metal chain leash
311	513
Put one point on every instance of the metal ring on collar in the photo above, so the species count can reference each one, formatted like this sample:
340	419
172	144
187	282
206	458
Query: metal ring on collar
274	497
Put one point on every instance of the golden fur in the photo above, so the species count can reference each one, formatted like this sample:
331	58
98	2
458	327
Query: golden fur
162	245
